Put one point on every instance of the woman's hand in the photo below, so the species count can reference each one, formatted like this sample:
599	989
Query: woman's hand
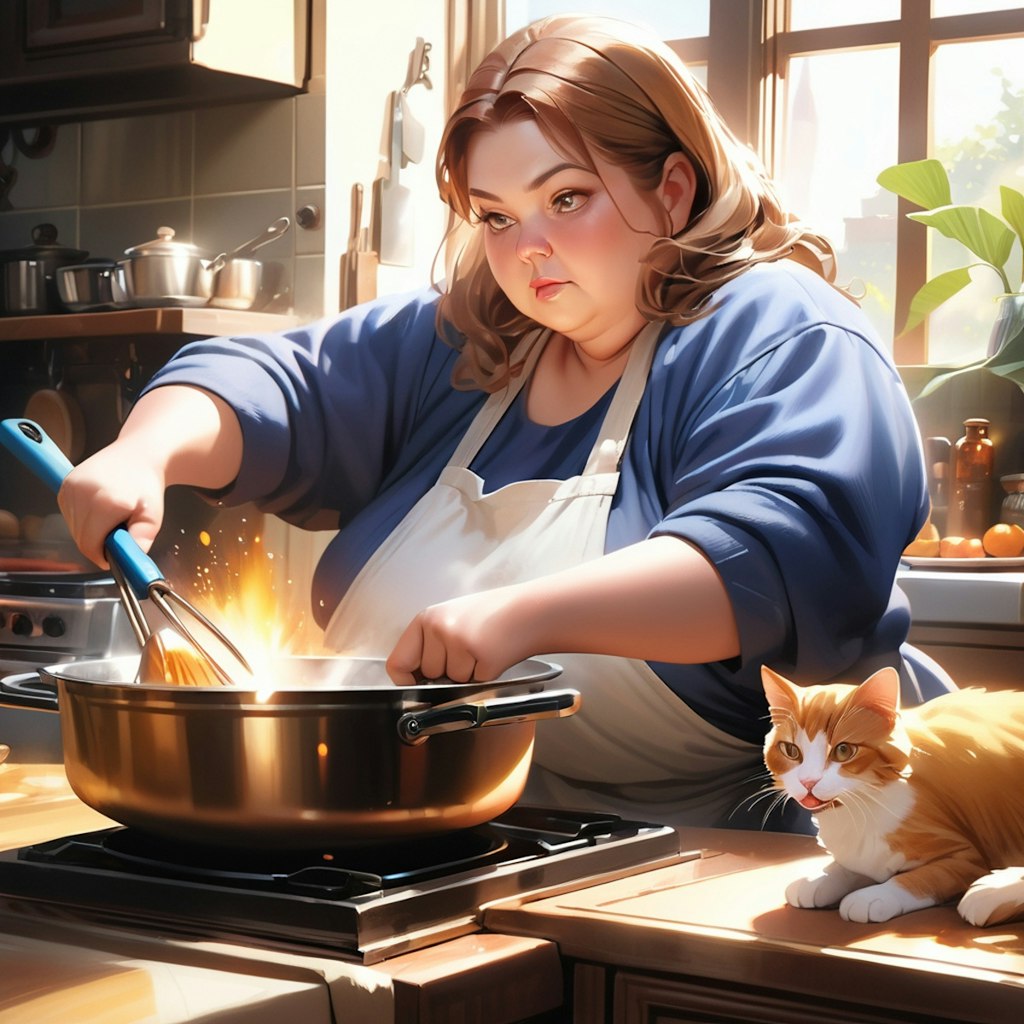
112	488
177	434
472	638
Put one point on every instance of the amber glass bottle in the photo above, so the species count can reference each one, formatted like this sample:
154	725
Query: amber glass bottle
970	498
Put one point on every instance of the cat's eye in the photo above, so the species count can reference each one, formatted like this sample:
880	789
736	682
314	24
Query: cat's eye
843	752
790	750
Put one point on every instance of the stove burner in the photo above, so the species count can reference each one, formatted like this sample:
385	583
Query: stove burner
325	874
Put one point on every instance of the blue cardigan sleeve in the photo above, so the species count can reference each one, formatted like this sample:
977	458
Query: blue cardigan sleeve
794	462
326	409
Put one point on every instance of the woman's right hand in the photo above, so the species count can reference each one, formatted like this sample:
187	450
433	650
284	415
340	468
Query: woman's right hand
115	487
177	434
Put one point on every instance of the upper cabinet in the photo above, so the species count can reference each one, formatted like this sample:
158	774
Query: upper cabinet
68	60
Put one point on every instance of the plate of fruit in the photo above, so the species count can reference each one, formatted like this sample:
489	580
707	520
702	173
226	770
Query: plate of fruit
1000	548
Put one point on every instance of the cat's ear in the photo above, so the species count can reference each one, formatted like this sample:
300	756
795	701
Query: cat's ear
781	693
880	693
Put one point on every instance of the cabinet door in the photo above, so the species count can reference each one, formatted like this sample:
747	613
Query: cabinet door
51	24
645	999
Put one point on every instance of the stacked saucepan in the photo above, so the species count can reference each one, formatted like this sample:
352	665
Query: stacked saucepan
50	278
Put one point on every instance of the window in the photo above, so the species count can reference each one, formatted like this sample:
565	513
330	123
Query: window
831	92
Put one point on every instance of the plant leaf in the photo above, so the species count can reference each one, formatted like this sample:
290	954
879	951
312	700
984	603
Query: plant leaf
924	182
1013	214
933	294
1013	209
982	232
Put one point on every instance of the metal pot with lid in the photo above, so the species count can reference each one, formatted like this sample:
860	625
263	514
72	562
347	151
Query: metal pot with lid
164	272
29	274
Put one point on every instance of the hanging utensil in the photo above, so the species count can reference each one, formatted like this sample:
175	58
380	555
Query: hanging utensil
358	265
391	219
135	573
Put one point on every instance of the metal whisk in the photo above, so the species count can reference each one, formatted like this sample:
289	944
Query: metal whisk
135	573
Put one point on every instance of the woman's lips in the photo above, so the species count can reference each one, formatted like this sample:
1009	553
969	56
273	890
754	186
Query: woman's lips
546	287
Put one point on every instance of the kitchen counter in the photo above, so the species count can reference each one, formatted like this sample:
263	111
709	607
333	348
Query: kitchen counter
708	938
715	934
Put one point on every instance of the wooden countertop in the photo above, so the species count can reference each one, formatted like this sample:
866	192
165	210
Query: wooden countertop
202	321
723	916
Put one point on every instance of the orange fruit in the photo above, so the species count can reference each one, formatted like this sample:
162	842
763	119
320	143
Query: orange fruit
1004	540
961	547
925	544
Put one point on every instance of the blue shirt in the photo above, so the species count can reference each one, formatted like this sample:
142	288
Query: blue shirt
774	434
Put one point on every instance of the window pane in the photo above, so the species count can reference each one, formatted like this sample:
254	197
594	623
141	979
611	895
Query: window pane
669	19
943	8
977	134
829	13
841	130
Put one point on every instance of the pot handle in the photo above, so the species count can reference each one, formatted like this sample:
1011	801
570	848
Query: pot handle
28	690
415	726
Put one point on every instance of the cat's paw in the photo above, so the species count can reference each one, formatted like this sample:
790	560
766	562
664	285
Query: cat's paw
994	898
823	890
881	902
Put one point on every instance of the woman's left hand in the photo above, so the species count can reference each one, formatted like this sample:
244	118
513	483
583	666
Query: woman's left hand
472	638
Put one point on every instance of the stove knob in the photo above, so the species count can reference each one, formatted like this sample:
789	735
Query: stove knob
21	625
53	625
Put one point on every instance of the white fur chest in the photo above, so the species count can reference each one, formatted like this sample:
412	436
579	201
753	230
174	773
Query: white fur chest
856	834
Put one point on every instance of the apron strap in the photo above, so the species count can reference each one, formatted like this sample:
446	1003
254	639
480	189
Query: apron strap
618	421
610	445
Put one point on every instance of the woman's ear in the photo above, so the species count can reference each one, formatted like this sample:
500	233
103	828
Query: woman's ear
677	189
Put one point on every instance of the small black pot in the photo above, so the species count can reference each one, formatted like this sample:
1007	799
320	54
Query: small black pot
28	280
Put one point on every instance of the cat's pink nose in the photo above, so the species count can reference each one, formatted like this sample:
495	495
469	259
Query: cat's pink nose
809	784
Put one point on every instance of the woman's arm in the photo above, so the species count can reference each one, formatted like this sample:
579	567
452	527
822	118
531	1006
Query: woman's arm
658	600
173	435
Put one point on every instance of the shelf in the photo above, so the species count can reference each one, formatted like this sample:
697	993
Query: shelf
203	321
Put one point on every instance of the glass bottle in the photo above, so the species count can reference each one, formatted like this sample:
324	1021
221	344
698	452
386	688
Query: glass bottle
970	498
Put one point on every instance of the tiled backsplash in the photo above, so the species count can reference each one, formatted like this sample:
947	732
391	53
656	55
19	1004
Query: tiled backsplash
217	175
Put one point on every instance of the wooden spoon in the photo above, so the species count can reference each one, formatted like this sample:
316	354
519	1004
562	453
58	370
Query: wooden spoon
168	657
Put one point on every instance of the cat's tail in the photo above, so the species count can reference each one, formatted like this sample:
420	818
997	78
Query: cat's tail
994	898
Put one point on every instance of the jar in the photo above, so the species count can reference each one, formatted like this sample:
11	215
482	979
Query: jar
1012	510
970	498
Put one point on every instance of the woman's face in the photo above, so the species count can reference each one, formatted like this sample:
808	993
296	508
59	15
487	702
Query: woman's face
563	243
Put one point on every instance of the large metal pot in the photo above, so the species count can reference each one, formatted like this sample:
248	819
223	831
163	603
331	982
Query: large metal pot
335	753
28	285
164	272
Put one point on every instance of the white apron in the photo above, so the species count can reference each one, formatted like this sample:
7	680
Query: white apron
634	748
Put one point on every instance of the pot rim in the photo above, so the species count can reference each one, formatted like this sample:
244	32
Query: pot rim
115	677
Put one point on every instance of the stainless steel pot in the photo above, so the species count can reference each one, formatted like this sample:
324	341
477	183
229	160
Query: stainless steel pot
335	753
28	285
88	286
163	272
239	279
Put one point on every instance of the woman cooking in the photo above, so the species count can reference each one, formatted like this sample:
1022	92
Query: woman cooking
637	429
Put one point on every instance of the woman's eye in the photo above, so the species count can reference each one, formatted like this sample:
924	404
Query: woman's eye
843	752
567	202
790	750
495	221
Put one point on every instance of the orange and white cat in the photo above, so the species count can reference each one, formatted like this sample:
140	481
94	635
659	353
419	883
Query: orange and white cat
917	806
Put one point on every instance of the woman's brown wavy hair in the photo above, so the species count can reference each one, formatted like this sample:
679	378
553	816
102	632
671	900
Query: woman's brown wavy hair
599	86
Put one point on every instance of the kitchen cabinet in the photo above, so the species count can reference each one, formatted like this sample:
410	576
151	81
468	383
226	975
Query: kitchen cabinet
66	62
711	940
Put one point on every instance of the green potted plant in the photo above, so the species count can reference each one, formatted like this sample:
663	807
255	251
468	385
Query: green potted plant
986	236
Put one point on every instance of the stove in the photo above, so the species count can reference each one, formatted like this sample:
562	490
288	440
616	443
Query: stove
368	901
47	618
